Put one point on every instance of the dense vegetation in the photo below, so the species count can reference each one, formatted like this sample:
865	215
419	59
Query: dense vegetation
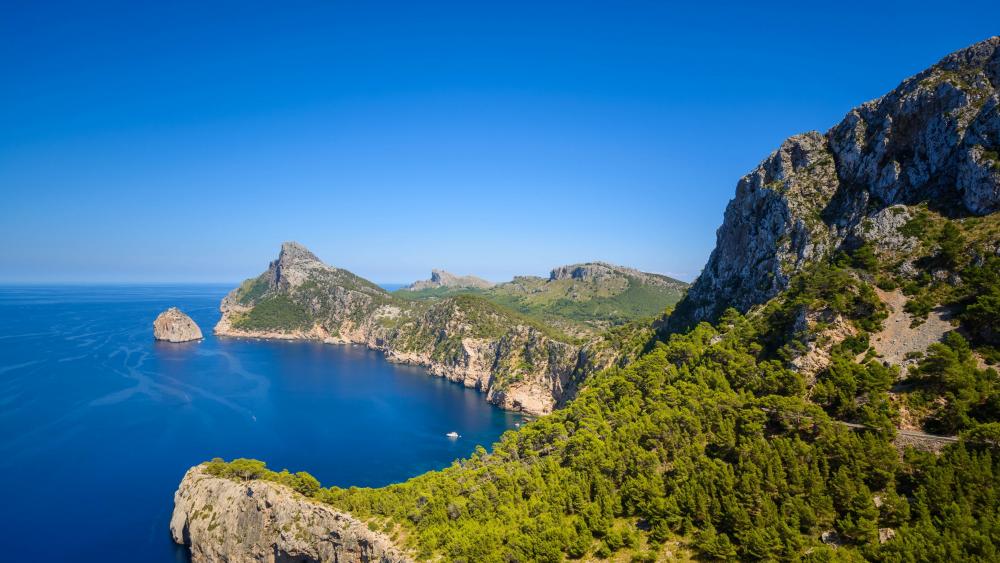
669	449
709	446
275	312
952	390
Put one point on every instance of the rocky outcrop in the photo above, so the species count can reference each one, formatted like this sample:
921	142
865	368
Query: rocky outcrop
817	342
602	272
174	326
441	278
593	271
465	338
295	264
935	138
221	520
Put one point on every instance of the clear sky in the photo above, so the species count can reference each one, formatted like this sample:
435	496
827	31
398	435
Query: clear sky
184	141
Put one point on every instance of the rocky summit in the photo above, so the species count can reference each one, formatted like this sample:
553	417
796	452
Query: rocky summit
935	138
174	326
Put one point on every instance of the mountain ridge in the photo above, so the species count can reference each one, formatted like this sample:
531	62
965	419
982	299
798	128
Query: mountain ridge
582	299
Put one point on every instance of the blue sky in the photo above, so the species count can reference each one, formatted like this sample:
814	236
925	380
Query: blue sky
182	141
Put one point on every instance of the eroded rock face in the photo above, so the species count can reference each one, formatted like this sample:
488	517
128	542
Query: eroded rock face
770	229
221	520
174	326
294	265
935	138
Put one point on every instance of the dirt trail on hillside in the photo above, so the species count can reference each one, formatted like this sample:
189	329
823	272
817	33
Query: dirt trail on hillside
897	338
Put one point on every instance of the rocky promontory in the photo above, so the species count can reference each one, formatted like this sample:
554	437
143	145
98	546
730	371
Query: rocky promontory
527	362
221	520
519	364
173	325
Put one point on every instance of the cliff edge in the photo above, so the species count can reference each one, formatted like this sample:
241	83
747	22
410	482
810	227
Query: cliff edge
222	520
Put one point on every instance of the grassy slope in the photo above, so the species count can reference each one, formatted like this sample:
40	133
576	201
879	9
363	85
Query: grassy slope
573	305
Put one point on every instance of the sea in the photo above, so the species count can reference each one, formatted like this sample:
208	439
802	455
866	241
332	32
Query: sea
99	422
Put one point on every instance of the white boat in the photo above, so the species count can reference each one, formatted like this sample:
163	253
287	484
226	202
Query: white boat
452	434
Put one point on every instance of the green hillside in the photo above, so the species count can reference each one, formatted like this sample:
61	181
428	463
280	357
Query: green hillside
575	305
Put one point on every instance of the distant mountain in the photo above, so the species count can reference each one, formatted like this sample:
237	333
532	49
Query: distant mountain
520	361
443	279
580	299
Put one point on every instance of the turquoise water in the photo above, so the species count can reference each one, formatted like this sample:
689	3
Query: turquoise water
98	423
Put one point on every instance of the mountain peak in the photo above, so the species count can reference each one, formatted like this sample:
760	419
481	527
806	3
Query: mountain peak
933	139
294	264
978	54
292	251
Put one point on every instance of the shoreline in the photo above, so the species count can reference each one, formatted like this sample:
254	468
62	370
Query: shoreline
467	378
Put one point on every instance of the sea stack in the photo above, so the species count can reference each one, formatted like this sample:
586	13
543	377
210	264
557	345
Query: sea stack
174	326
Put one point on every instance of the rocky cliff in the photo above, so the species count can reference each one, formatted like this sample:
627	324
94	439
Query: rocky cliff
934	139
598	272
174	326
221	520
441	278
520	364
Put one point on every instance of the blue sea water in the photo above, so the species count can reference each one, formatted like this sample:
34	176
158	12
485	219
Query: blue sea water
98	423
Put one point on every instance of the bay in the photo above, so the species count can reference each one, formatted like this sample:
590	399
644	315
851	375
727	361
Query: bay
98	423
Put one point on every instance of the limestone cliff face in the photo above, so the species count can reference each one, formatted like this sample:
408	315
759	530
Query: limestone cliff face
464	338
601	272
934	138
221	520
174	326
441	278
